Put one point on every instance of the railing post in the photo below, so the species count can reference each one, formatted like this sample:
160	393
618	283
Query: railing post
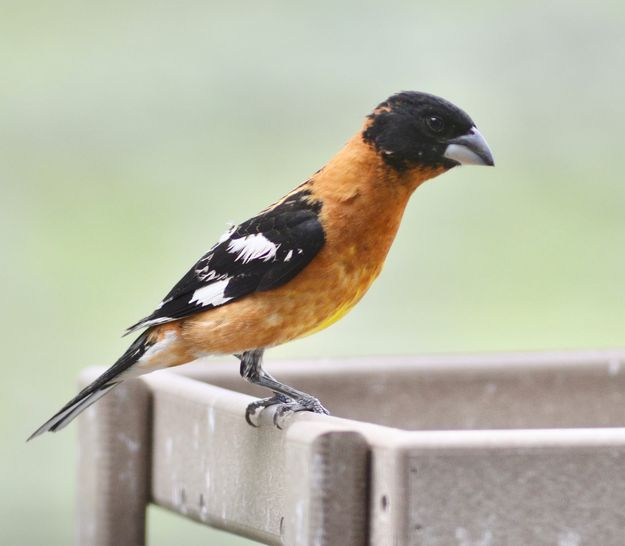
113	466
328	487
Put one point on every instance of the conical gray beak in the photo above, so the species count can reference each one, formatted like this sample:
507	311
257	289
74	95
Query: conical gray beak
470	149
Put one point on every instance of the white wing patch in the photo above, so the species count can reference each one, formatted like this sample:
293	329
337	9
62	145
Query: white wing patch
225	236
211	294
167	300
253	247
205	274
153	322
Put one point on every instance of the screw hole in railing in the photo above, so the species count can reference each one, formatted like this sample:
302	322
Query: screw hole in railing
384	503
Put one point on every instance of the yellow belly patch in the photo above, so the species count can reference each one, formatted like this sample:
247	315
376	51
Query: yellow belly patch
345	307
340	312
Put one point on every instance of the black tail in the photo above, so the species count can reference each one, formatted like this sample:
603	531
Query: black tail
103	384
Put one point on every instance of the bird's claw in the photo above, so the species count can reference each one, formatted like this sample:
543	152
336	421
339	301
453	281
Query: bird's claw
286	407
276	399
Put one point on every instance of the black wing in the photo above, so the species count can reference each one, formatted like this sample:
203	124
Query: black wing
260	254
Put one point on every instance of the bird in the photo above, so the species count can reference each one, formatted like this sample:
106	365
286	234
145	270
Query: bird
302	263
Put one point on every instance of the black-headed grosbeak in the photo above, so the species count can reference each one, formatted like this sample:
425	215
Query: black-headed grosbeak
305	261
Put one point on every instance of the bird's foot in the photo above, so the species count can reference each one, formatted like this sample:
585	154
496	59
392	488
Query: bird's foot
276	399
286	409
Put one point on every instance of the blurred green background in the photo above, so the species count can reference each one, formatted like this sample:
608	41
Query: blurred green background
131	132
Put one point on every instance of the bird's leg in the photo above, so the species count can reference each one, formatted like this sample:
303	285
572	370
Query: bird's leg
288	398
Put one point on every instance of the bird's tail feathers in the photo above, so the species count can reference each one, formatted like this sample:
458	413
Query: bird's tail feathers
96	390
71	410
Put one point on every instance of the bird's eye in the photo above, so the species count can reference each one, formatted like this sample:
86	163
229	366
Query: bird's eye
435	124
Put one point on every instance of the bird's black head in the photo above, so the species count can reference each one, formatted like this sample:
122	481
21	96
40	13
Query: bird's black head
413	129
